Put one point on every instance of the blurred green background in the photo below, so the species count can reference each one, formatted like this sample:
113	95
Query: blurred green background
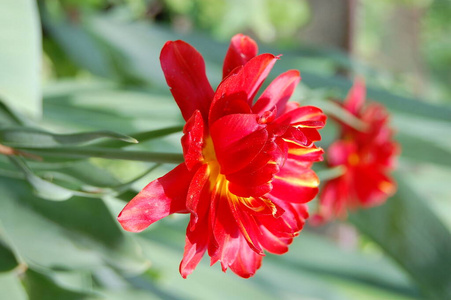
91	66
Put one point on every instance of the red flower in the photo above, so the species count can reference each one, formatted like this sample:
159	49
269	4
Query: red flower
246	176
367	158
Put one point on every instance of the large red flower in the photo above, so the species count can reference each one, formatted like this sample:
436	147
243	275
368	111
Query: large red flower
246	176
367	158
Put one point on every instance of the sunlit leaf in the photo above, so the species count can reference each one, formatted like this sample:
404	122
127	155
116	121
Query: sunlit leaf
411	234
311	268
77	234
11	287
37	138
85	152
20	56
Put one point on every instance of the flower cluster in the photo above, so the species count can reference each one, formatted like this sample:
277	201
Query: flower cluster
367	157
247	172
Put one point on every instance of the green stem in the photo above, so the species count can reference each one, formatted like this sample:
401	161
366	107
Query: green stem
331	173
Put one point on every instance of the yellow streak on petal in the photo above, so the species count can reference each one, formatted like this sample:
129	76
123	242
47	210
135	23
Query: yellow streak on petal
309	116
303	151
311	181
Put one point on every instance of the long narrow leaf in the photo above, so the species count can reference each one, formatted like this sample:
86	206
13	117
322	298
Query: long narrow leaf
412	235
142	136
37	138
86	152
20	56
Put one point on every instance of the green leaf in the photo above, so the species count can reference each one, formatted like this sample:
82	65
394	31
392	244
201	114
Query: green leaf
311	268
11	287
330	173
332	109
51	191
77	234
7	259
8	117
20	56
37	138
412	235
76	42
40	286
143	136
86	152
103	106
398	103
42	188
134	294
419	150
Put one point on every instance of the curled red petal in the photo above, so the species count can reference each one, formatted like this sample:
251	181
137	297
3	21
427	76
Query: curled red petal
242	48
255	184
237	140
244	84
303	117
300	153
195	246
184	69
193	140
247	262
225	233
160	198
272	243
295	183
197	190
247	225
277	93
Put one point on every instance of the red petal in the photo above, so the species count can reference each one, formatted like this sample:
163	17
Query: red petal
247	262
332	200
292	220
195	247
242	48
158	199
303	117
253	184
372	186
243	84
356	97
295	183
247	225
237	139
278	93
184	69
340	152
196	191
300	153
273	243
225	233
193	140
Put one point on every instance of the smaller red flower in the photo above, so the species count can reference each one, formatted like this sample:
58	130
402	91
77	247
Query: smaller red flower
367	157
